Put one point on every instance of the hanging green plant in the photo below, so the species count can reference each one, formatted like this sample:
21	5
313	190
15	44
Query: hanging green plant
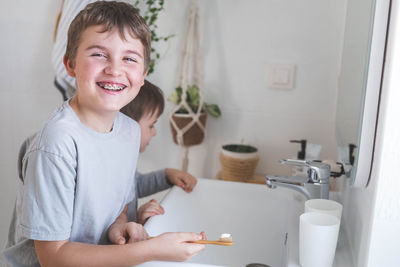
150	9
193	100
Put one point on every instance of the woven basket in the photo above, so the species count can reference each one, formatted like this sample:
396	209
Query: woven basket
194	135
236	169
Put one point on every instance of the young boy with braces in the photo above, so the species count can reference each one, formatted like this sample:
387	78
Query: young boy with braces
77	173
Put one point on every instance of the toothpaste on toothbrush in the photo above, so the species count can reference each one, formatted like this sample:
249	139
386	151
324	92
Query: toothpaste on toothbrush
225	237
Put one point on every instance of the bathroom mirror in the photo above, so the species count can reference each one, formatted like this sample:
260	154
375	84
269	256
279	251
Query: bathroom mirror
312	48
359	86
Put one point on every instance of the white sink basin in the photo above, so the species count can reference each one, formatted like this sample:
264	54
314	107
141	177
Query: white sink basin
257	218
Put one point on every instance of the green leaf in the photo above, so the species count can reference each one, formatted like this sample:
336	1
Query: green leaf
175	97
193	97
213	110
151	66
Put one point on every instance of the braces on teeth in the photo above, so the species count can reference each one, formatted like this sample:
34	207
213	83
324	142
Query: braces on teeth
112	87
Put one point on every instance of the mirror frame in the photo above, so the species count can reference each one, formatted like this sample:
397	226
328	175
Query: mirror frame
361	171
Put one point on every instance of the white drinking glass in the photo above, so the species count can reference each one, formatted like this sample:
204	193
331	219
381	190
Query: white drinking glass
318	235
324	206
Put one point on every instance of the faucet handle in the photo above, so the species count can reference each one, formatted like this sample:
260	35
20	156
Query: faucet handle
317	170
295	162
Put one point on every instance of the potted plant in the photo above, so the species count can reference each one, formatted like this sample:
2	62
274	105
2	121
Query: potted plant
238	162
182	117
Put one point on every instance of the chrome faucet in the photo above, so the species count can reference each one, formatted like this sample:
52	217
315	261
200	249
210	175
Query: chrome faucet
316	185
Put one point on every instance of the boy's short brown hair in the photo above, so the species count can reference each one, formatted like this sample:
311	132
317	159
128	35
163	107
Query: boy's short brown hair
148	101
110	14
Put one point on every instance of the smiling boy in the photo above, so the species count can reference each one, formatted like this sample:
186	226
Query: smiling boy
77	173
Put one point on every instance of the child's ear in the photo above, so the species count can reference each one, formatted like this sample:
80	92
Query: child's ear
68	66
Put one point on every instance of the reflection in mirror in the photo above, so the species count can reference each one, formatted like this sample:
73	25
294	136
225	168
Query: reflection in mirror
359	85
241	41
240	44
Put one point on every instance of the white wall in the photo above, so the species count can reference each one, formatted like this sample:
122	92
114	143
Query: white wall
236	56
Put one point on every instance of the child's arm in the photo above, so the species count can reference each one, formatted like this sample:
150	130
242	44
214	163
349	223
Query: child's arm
153	182
122	231
168	246
180	178
149	209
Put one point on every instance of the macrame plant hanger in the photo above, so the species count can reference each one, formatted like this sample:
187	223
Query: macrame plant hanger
190	74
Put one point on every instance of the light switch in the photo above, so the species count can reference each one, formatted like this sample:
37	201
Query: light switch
281	76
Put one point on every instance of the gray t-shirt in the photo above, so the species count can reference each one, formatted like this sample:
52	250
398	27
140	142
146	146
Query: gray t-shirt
74	182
